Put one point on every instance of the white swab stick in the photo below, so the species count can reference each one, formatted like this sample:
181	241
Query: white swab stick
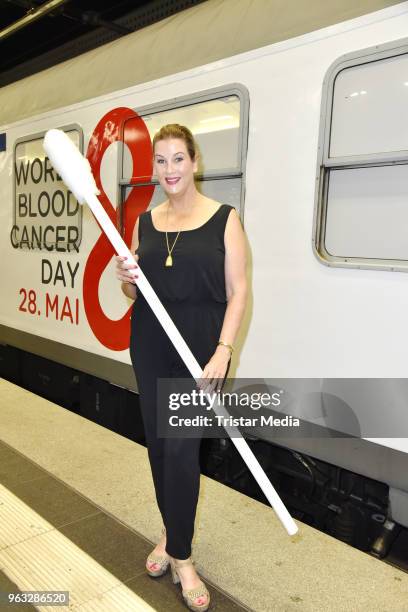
75	171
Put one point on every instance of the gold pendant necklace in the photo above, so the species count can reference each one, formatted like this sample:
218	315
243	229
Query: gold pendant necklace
169	261
169	258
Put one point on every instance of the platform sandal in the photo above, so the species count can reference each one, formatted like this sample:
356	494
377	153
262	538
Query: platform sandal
190	595
160	560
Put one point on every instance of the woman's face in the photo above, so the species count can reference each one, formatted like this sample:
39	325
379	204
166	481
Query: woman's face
173	166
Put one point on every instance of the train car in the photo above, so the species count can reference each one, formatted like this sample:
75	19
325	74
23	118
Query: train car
306	137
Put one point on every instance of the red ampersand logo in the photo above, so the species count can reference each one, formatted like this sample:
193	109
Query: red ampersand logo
114	334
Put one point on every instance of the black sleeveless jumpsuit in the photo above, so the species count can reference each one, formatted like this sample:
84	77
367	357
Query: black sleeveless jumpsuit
194	295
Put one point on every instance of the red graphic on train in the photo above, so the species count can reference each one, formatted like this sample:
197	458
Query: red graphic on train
118	125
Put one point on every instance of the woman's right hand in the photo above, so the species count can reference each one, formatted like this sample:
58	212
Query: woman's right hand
124	270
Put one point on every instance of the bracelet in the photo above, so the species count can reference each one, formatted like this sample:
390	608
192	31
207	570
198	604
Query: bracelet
231	348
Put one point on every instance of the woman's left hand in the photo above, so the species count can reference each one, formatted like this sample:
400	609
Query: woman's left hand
214	372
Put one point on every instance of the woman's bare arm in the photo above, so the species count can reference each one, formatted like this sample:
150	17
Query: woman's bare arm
235	278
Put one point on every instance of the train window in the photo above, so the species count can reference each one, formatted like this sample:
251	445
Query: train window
358	194
47	217
362	177
218	120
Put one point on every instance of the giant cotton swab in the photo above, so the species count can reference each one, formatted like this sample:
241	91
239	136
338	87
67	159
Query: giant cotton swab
76	173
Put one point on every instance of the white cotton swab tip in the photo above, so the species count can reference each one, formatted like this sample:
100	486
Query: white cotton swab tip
73	167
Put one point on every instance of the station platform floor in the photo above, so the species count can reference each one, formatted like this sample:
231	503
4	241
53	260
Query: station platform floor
78	514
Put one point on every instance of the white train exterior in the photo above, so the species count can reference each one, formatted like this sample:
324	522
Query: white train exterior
328	296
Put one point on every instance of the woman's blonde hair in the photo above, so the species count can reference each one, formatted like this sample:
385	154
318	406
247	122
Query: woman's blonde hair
175	130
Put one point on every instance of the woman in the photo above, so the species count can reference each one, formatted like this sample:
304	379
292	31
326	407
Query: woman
192	250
